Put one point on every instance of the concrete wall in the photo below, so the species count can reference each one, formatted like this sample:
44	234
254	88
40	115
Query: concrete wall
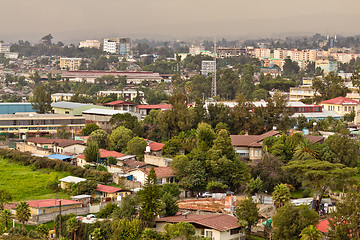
157	161
23	147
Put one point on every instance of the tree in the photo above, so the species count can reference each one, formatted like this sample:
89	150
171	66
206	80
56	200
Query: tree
170	204
98	234
119	138
345	149
47	39
311	233
149	198
290	68
5	197
128	208
205	134
181	230
72	225
320	175
127	229
281	195
329	86
247	213
137	146
343	223
100	137
91	152
6	217
255	185
23	213
290	220
41	100
63	133
305	150
89	128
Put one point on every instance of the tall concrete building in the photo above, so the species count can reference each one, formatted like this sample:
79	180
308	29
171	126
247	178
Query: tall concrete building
119	46
90	44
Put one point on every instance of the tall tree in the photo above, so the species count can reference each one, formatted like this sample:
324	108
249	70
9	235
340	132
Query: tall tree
100	137
311	233
119	138
5	197
149	198
127	229
41	100
91	152
23	213
137	146
89	128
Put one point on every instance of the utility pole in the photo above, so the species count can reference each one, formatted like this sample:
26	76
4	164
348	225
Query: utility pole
213	85
59	218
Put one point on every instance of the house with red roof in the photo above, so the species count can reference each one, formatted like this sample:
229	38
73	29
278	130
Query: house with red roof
212	226
110	193
104	155
164	175
342	106
122	105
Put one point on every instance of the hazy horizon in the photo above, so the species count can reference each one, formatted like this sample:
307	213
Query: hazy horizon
72	21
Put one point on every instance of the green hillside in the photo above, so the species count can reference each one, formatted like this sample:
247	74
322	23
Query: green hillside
25	183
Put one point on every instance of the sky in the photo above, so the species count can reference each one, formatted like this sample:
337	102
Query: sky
75	20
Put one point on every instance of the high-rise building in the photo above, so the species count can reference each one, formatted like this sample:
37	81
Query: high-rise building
207	67
90	44
120	46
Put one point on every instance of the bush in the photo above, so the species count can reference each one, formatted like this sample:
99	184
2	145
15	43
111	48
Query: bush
216	187
107	210
53	186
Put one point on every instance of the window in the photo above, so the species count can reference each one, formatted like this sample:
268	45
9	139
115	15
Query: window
234	231
208	234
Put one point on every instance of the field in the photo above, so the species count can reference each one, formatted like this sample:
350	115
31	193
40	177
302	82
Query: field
25	183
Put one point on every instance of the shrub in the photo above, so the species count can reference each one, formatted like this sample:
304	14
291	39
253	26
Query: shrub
306	193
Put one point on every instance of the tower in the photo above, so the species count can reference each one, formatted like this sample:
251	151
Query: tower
213	84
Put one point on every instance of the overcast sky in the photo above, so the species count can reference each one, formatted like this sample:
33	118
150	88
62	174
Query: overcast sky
72	20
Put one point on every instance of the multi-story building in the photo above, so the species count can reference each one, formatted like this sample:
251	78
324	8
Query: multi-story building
208	67
262	53
342	106
301	92
230	52
126	95
4	48
131	77
36	123
90	44
195	50
326	65
119	46
70	63
56	97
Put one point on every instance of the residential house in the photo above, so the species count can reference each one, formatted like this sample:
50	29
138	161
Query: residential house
122	105
212	226
104	155
342	106
69	146
109	193
144	110
44	206
164	175
250	146
64	182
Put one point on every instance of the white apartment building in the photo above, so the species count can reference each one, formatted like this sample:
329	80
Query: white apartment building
195	50
302	92
4	48
120	46
126	95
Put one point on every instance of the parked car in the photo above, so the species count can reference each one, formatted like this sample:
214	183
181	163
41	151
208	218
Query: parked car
206	195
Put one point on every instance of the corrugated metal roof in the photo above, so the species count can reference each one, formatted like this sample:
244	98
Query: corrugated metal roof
68	105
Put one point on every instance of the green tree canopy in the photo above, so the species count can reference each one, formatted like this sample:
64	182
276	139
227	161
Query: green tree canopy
89	128
247	213
41	100
137	146
119	138
23	213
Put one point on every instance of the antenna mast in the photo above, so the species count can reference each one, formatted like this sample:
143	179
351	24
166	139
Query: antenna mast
213	85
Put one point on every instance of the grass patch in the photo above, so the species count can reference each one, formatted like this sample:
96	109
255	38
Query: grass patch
26	183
